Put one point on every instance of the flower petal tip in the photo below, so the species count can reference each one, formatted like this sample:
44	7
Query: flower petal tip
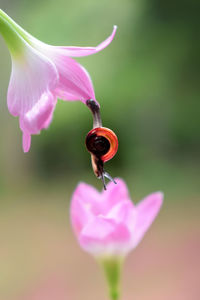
26	141
159	197
82	186
113	32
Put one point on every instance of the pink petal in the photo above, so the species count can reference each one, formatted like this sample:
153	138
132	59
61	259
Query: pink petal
83	199
115	193
26	141
104	237
84	51
74	81
123	212
33	80
108	223
32	75
37	118
147	211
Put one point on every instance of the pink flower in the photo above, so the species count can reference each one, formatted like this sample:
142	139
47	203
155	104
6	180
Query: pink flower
40	74
108	224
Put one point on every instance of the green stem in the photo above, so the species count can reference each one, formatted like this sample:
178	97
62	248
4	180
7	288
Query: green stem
12	34
19	29
112	269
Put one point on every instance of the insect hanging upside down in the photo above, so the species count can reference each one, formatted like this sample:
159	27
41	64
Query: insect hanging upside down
101	142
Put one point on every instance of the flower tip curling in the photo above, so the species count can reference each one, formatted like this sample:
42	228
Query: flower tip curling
113	32
115	28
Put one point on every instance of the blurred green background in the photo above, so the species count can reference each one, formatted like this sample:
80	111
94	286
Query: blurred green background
147	84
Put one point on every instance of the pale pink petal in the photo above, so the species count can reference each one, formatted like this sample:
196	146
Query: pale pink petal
123	212
30	93
84	51
37	118
102	236
26	141
147	211
98	227
115	193
87	193
32	75
74	81
82	200
89	199
108	223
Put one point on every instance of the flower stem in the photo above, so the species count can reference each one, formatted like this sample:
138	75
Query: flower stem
112	269
17	28
12	34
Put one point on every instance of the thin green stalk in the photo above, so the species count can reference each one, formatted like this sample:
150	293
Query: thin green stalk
112	269
18	29
12	34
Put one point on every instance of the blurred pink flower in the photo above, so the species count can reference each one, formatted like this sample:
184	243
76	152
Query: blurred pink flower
40	74
108	224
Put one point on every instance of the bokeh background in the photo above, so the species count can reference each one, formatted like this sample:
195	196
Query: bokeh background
147	84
